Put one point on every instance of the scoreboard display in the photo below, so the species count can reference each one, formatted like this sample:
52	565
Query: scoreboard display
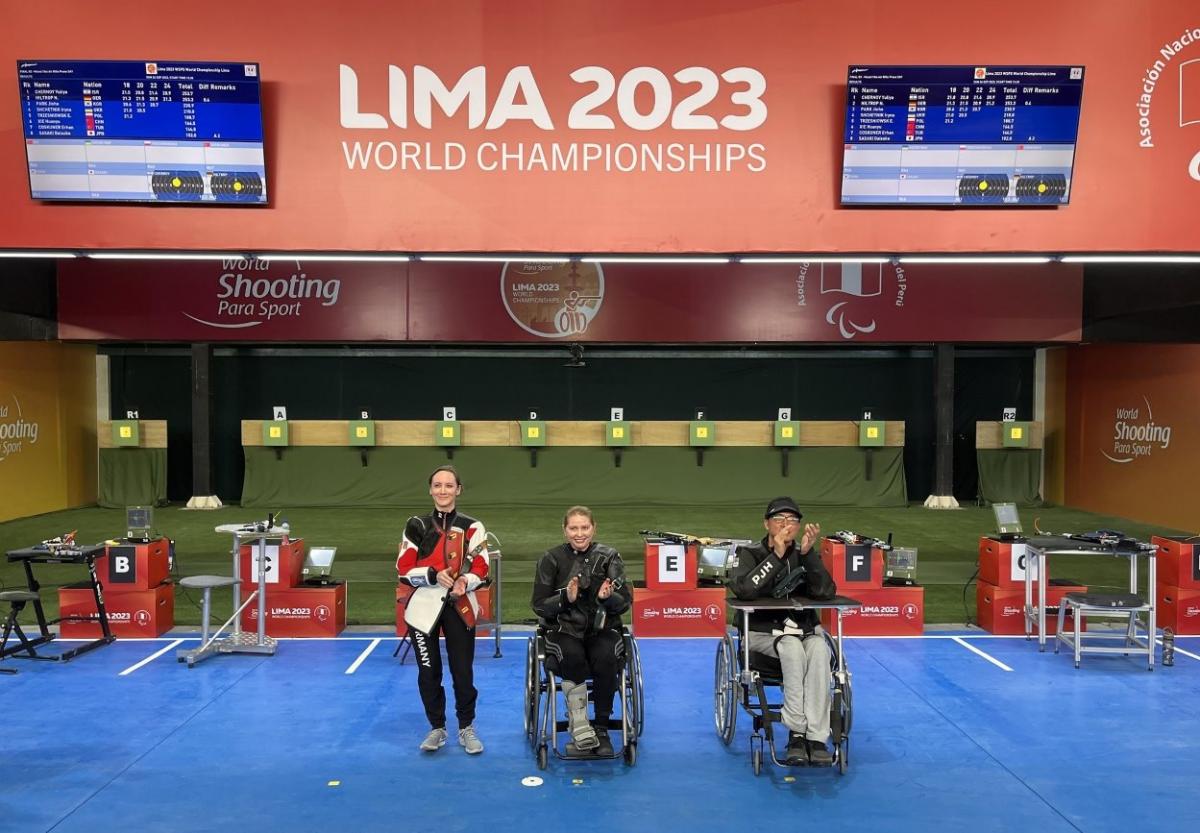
143	131
960	135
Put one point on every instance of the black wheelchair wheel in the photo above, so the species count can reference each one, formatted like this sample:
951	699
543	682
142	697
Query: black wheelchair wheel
543	756
629	753
847	708
837	724
532	690
635	693
756	760
725	691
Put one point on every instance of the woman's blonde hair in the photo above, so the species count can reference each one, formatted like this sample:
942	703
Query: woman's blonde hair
579	510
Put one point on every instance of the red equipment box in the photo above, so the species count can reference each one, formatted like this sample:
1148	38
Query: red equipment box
678	612
136	613
1179	609
483	595
670	566
890	611
301	611
853	566
1002	563
133	566
284	563
999	609
1178	561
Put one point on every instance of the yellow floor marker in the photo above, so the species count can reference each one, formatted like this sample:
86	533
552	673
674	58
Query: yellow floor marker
335	783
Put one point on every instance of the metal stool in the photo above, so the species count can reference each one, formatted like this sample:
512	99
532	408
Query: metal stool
206	584
17	599
1109	605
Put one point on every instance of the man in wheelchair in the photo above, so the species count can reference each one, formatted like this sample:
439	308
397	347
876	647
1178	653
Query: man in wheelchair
580	592
780	566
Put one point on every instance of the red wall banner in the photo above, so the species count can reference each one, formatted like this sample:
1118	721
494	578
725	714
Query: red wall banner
626	126
298	301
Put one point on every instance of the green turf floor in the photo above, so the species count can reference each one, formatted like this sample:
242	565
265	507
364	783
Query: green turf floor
947	541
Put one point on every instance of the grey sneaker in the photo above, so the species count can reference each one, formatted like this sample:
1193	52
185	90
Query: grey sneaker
434	741
469	741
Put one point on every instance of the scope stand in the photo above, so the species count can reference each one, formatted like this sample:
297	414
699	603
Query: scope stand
783	461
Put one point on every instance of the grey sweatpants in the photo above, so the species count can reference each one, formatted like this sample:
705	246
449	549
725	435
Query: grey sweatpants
805	662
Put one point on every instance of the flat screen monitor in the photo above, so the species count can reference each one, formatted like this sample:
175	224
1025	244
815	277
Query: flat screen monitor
174	132
714	556
139	517
1008	522
955	136
319	561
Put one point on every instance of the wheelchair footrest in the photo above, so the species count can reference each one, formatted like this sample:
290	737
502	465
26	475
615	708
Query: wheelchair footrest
570	753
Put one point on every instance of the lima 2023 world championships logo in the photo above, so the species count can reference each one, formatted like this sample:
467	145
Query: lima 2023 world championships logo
552	300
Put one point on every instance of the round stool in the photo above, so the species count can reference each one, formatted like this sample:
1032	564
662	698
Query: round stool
206	584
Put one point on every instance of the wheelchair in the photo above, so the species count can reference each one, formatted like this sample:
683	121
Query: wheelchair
542	721
742	678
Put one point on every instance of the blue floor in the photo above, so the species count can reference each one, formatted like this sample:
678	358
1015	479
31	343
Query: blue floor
943	738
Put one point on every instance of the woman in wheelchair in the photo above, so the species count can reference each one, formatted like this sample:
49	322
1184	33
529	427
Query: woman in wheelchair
778	565
580	592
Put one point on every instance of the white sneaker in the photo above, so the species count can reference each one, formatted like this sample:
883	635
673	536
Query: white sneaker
434	741
469	740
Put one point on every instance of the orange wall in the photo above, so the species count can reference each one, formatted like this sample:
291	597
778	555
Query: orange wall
1146	391
1055	422
47	427
1125	196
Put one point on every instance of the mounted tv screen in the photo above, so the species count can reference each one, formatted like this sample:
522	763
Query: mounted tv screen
143	131
960	135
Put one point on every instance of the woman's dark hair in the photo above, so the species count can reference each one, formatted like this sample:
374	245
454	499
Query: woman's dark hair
449	468
579	510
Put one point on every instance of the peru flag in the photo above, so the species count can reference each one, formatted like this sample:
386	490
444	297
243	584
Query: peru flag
850	279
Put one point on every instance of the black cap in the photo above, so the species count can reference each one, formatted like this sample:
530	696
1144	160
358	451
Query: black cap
783	504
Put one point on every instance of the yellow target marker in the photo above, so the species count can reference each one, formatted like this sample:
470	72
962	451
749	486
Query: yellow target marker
577	781
789	778
1041	187
237	185
335	783
983	185
176	182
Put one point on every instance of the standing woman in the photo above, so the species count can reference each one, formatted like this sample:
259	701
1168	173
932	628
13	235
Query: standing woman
443	558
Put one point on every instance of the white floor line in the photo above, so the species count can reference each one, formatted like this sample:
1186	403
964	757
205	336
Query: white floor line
975	650
1179	650
366	652
150	658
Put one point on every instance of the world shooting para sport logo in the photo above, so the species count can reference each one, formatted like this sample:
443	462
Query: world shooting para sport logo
1135	434
251	291
17	432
